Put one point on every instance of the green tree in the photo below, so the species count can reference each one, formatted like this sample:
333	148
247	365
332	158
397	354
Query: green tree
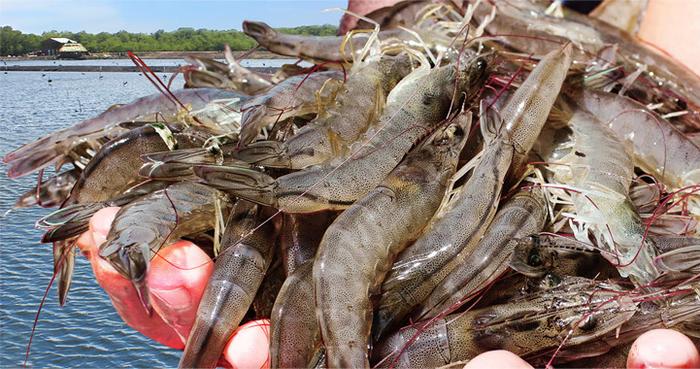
14	42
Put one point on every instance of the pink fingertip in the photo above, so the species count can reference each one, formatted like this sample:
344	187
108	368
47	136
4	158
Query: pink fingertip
497	359
177	278
249	346
663	348
101	222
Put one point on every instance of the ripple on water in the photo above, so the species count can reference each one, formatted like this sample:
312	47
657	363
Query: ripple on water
87	332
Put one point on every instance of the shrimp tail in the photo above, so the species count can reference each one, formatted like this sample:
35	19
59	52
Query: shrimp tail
135	259
71	213
205	78
68	222
265	153
259	31
489	123
243	182
251	123
64	264
66	231
683	260
22	165
142	292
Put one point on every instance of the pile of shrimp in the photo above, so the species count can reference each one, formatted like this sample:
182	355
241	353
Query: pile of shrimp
445	180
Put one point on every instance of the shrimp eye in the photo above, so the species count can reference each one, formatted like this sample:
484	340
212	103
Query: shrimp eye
551	280
589	323
534	259
480	65
458	132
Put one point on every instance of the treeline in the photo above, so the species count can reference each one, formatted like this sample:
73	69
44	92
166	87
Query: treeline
14	42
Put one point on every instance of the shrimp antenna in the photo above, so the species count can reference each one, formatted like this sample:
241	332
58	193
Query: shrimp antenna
421	42
371	40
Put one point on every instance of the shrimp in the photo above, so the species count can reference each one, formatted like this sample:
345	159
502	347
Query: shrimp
72	220
115	168
522	215
238	273
415	107
681	260
599	171
270	287
358	248
656	146
464	220
55	146
176	165
359	104
591	37
525	326
537	255
143	226
50	193
315	48
401	14
228	76
300	237
295	96
294	333
676	309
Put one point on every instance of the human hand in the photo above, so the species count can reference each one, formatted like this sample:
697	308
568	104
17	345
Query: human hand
176	279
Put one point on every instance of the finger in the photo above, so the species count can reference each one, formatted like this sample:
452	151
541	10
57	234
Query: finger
249	346
176	281
497	359
663	348
120	290
656	30
100	223
361	7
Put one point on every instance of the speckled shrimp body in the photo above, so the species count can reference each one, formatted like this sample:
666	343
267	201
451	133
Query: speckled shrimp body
464	220
358	106
416	106
358	248
238	273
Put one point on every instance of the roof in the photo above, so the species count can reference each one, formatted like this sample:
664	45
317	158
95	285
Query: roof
72	48
63	40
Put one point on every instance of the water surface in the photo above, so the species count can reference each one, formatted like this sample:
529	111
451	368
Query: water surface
87	332
274	63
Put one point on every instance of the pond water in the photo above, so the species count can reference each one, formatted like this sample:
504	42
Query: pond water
274	63
87	332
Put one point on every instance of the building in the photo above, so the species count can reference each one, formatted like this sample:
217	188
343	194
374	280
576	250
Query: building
63	47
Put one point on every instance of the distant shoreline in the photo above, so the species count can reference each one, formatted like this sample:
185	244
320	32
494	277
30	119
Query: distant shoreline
256	54
106	68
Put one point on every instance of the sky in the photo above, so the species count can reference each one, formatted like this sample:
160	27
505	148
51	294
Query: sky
93	16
